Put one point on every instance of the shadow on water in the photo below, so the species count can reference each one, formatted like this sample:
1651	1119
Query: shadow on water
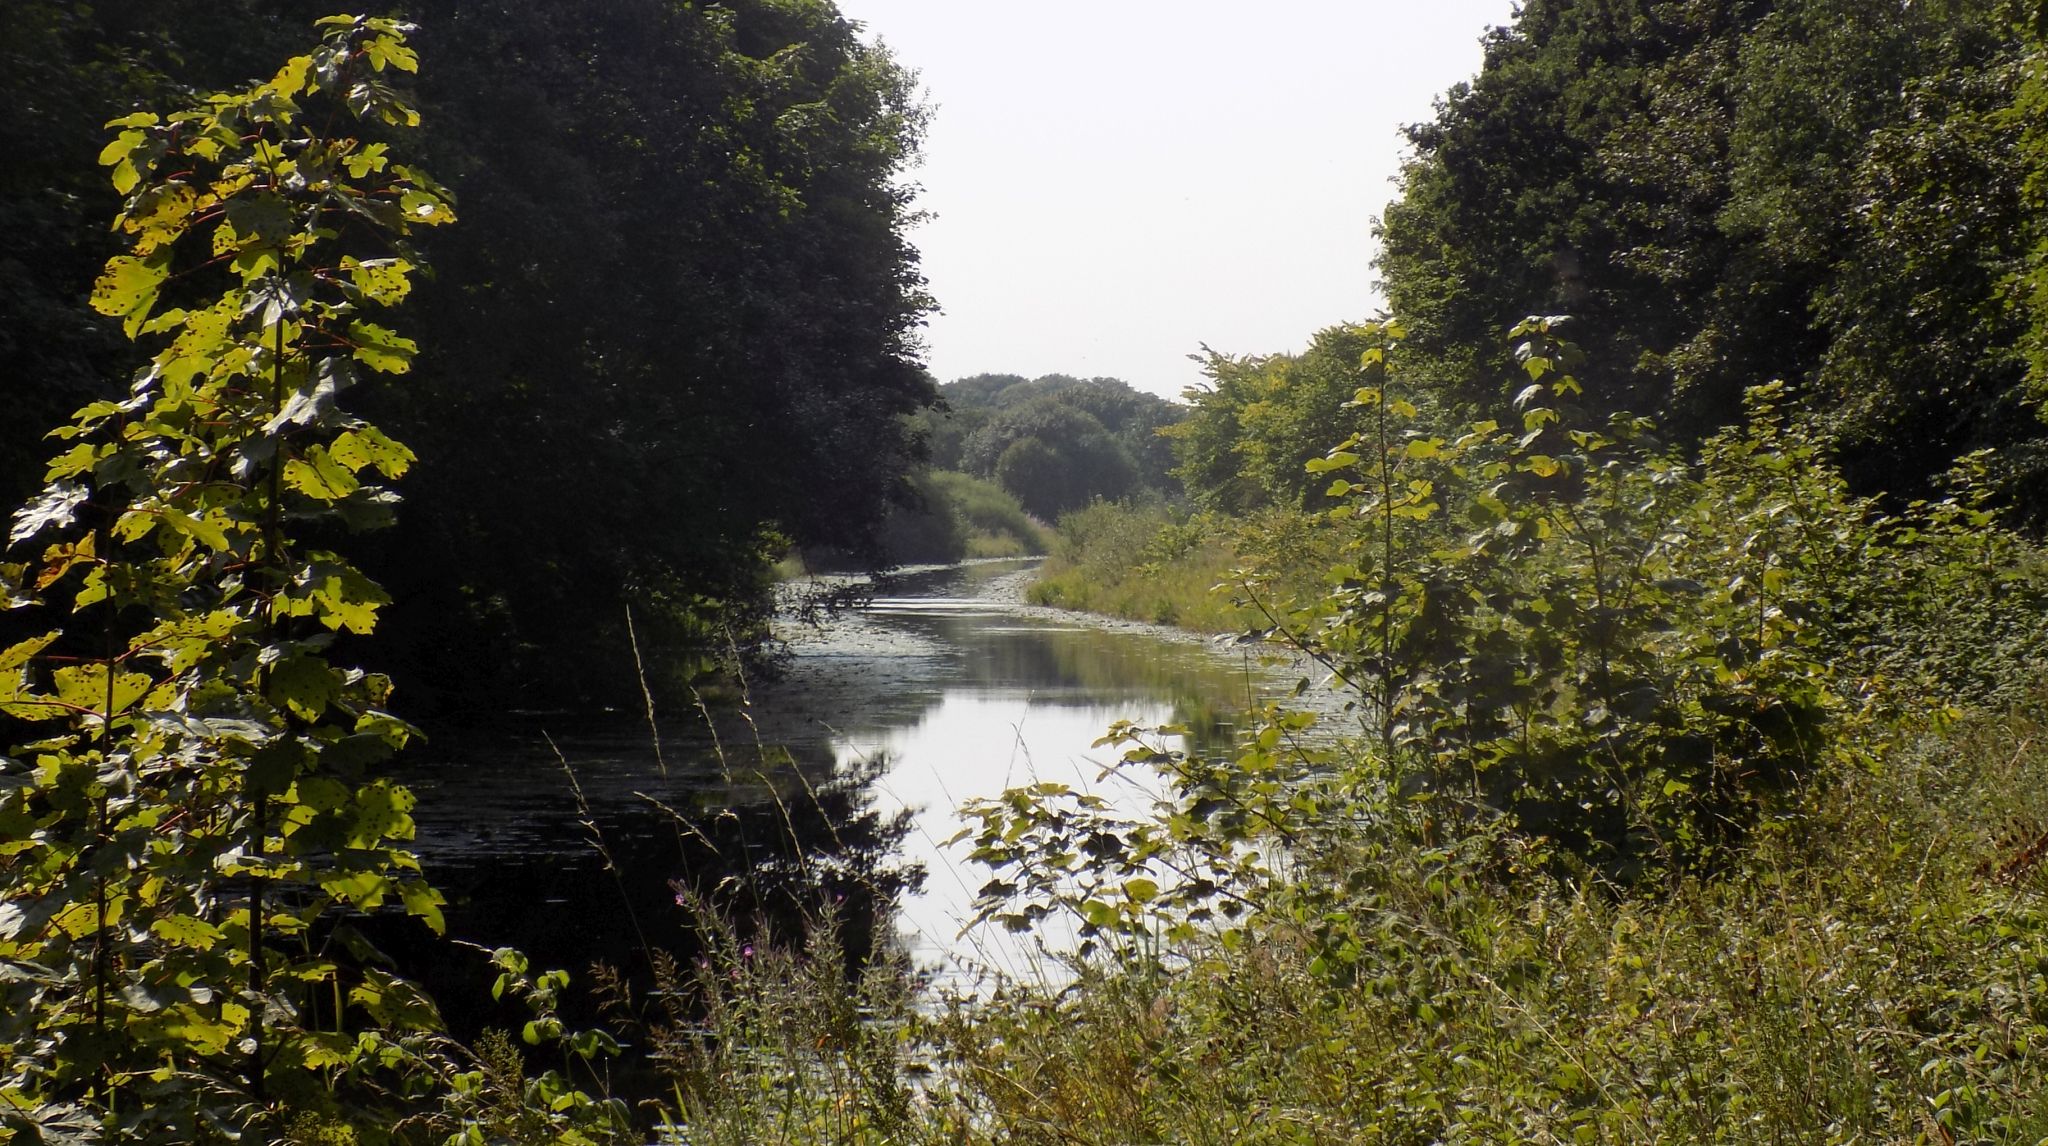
829	790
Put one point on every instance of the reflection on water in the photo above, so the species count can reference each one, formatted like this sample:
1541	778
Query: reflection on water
831	789
975	744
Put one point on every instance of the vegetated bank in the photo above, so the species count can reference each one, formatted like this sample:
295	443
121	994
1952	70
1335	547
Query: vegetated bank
1690	807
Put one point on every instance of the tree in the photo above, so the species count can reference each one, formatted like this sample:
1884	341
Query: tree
190	824
677	329
1259	421
195	801
1820	190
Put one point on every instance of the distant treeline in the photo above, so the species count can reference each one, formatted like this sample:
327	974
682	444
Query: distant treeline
671	333
1055	442
1009	456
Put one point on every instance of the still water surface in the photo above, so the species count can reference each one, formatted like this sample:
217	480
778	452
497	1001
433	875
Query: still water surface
835	786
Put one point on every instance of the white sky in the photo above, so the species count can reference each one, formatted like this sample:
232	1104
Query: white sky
1116	182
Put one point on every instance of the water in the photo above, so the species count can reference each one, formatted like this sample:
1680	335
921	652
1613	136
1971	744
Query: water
833	788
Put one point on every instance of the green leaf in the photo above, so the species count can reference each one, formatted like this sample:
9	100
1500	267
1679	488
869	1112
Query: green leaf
385	50
360	164
1141	890
292	79
56	506
342	598
310	402
380	349
319	476
385	282
127	288
305	684
368	446
1099	914
204	532
119	155
20	653
424	208
423	901
383	812
259	218
186	931
86	687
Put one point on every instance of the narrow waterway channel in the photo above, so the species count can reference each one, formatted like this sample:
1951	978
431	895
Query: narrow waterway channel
835	785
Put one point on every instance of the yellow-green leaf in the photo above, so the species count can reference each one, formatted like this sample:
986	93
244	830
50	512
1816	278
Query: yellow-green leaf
368	446
423	901
127	288
380	349
186	931
87	687
382	281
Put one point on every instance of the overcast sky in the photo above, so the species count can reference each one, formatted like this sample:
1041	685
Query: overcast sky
1115	182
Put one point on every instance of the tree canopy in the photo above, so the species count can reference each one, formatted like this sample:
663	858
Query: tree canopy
1834	192
678	327
1056	442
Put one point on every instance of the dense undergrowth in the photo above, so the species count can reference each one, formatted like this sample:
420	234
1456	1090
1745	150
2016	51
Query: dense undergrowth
1742	842
1873	967
1151	561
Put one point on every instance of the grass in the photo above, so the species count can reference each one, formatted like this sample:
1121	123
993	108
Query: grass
1153	563
996	525
1871	967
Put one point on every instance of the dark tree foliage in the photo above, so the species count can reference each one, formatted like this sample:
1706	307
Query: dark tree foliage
702	337
678	326
1731	191
65	70
1093	438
